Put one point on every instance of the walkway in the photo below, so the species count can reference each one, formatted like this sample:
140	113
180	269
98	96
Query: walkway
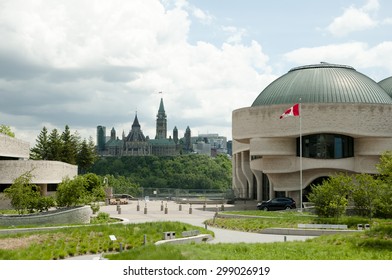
197	218
130	214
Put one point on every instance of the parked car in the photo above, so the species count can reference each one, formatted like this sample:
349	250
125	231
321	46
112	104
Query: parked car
279	203
125	196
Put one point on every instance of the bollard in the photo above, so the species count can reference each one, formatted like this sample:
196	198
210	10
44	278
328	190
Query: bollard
145	240
180	207
285	238
138	206
190	208
166	210
119	209
121	247
145	208
204	206
162	205
216	208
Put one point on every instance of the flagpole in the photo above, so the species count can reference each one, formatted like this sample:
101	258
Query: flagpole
300	155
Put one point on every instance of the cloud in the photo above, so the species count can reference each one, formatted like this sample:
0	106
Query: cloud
86	63
235	34
203	16
355	19
356	54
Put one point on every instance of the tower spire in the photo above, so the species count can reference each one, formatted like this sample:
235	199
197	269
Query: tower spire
161	126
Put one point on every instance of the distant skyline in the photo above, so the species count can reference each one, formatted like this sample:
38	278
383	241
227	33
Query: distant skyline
87	63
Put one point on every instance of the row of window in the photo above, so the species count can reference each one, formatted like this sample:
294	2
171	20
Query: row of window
326	146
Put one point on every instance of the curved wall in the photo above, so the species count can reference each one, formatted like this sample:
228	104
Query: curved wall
355	120
43	171
12	147
78	215
271	142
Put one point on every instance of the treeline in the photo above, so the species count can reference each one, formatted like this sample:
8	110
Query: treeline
180	172
64	146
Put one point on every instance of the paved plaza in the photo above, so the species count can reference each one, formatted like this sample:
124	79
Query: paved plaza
197	216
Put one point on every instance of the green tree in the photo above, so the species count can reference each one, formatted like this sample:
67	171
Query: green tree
81	190
22	193
71	192
41	150
366	193
5	129
86	156
331	197
94	187
55	145
385	167
123	185
384	207
26	197
69	146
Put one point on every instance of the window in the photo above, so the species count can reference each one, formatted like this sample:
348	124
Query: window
326	146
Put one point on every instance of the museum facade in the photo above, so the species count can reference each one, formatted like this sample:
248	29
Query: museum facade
345	119
14	162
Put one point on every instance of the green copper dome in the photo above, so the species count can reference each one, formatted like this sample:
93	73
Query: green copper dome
323	83
386	84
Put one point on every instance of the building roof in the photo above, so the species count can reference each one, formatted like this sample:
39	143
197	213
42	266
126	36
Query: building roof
161	107
161	142
386	84
323	83
136	134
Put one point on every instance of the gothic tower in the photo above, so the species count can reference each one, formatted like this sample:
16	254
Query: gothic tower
161	122
175	135
113	134
135	143
187	137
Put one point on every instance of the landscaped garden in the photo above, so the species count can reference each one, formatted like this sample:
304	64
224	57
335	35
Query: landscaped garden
375	243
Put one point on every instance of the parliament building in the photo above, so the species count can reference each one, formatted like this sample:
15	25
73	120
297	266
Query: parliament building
136	144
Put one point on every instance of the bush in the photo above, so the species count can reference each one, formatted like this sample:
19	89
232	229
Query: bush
81	190
101	218
23	195
331	198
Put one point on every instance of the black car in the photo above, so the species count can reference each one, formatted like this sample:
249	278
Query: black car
279	203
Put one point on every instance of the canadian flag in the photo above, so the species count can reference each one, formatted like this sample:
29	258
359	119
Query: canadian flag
291	112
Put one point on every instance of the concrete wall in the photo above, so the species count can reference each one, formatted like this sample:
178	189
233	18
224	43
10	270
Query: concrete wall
79	215
12	147
43	171
271	142
352	119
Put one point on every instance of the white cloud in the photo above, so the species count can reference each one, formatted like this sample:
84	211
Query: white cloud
86	63
354	19
235	34
356	54
202	16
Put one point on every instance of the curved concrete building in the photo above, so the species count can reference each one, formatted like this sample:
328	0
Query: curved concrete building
345	121
14	162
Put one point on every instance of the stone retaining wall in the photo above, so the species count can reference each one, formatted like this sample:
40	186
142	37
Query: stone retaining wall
78	215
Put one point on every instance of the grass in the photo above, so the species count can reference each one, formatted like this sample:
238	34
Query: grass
66	242
374	244
259	220
368	245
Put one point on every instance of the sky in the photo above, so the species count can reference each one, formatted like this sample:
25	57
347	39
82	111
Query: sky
85	63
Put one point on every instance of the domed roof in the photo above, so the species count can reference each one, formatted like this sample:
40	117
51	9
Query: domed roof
386	84
323	83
